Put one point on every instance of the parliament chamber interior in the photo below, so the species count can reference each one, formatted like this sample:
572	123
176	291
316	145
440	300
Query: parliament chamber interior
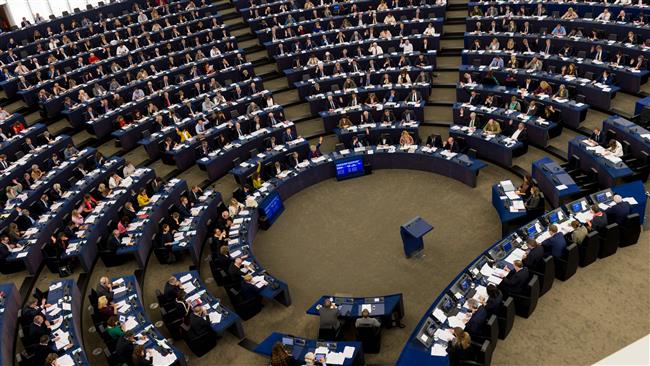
296	182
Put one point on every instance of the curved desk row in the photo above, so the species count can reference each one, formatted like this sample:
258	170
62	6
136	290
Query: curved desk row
319	102
428	341
571	112
375	133
399	110
595	94
65	300
140	233
98	224
154	144
582	9
556	184
362	77
128	299
389	308
286	61
38	156
297	75
623	130
59	174
611	170
424	11
538	24
221	161
49	223
538	130
10	302
627	78
345	353
280	153
194	229
221	318
499	149
16	142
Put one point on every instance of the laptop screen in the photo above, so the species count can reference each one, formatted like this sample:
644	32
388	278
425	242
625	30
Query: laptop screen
576	207
601	197
287	341
507	246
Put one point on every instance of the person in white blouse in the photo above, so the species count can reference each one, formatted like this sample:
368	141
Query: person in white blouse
114	181
615	148
604	16
375	49
430	30
128	169
214	52
406	46
122	50
142	17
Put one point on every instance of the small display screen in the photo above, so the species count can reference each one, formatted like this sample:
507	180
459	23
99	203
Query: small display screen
553	218
349	168
576	207
272	207
507	246
601	197
531	231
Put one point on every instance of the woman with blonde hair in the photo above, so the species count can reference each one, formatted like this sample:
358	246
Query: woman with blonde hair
406	139
458	348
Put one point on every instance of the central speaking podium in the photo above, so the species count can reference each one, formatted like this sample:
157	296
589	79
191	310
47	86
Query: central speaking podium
412	233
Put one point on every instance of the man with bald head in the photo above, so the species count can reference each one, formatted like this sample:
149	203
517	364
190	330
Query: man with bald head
618	213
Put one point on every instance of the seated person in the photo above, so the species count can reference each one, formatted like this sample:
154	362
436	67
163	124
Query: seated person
534	200
366	320
492	127
493	302
534	255
516	280
460	347
329	315
556	244
618	213
598	221
200	326
579	232
114	328
476	317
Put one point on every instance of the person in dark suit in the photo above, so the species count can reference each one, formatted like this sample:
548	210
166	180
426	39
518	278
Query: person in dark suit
40	351
459	349
141	357
599	219
222	258
618	213
294	160
287	136
477	317
556	244
521	133
124	347
451	145
172	288
114	241
534	256
37	329
181	307
516	279
598	137
495	297
434	141
275	169
199	324
29	313
105	288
